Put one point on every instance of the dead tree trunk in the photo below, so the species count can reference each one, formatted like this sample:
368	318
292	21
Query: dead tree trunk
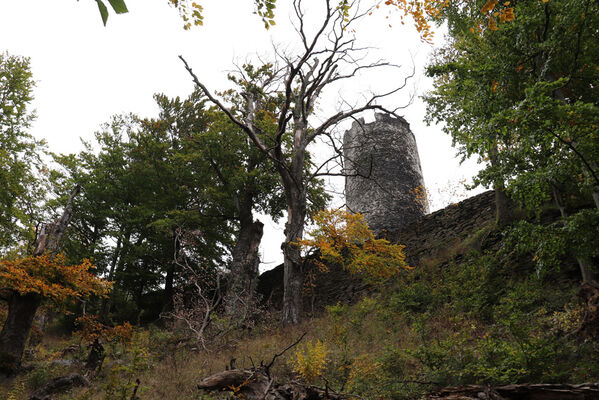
22	308
519	391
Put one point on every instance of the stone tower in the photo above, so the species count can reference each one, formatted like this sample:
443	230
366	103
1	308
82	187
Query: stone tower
384	178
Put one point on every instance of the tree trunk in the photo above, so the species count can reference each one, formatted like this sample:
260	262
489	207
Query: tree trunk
126	247
21	311
503	204
586	268
504	207
246	260
59	385
293	277
169	281
104	308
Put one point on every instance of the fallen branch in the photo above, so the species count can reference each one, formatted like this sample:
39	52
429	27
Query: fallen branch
59	385
254	384
528	391
258	384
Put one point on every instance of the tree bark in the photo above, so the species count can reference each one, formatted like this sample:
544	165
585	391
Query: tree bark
167	302
104	308
586	268
245	265
257	384
21	311
504	207
519	391
503	204
293	277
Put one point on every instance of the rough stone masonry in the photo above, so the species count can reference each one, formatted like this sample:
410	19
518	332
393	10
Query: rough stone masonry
383	174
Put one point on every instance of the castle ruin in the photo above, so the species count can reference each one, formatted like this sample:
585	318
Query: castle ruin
383	174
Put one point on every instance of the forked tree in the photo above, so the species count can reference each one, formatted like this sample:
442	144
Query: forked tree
328	54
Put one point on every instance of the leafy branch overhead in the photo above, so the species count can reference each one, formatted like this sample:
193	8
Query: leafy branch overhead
190	12
118	6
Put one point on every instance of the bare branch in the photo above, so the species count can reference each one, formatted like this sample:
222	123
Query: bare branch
247	129
270	364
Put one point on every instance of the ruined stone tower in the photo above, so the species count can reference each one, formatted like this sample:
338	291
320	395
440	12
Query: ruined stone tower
384	178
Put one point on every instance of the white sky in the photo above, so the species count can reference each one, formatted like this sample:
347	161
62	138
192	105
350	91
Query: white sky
86	72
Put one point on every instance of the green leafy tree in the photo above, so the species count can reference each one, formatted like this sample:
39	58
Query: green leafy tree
21	169
521	96
139	190
242	180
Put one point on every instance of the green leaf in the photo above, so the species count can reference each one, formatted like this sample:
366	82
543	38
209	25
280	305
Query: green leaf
103	11
118	6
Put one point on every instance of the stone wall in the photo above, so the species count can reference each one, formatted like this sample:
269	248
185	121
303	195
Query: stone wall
384	178
437	232
440	235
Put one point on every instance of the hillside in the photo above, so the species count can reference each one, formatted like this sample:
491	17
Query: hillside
472	311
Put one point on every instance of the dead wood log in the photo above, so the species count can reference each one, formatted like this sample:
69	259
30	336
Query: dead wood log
255	384
258	383
250	383
525	391
59	385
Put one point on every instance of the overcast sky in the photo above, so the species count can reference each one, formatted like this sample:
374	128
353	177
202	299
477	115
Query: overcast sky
86	72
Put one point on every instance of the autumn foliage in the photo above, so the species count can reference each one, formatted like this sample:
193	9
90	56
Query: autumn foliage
344	238
50	277
91	329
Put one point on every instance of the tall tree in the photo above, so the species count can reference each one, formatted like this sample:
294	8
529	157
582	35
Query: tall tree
138	190
328	55
21	178
243	180
521	95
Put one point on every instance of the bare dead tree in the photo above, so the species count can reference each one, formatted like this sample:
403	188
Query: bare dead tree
196	310
294	85
204	296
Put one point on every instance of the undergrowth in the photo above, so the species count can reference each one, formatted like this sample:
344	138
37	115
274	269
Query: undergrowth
488	319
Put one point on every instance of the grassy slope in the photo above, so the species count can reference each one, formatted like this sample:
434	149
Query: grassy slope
482	317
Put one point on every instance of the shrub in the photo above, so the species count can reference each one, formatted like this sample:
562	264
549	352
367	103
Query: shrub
310	360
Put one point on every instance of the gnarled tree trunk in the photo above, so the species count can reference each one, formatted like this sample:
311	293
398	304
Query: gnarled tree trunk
21	310
245	265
